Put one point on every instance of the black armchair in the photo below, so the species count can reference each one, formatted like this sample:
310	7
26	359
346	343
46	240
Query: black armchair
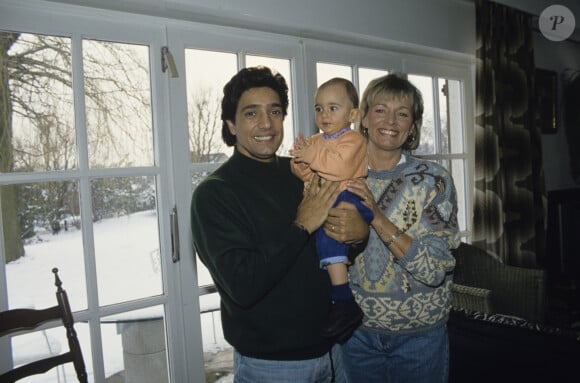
484	284
496	329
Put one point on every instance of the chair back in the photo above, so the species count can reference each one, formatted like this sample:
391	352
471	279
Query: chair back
26	320
513	290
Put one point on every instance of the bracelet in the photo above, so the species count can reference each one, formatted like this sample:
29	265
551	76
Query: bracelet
393	238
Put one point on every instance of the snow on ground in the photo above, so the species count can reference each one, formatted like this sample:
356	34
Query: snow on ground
127	260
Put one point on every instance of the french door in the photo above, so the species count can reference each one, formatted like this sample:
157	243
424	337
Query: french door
111	126
87	186
205	60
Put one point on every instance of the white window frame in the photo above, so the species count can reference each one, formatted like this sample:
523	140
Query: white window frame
84	23
170	110
412	60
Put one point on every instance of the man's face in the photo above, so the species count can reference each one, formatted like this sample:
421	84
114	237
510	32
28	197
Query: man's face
258	124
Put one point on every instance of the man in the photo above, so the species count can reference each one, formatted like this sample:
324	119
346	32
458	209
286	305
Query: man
251	225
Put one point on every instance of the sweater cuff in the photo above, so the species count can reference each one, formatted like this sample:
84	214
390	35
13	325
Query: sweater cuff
301	228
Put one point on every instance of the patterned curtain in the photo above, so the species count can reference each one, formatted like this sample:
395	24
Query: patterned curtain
510	196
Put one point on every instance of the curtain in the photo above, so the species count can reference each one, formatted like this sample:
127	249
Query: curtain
510	197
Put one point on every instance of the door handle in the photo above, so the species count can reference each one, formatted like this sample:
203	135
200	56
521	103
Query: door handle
174	235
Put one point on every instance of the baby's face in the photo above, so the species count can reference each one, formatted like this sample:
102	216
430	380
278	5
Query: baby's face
333	109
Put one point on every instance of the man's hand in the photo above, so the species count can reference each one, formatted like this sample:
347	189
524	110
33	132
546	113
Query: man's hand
317	201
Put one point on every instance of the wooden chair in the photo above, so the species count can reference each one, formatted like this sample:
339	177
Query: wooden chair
18	320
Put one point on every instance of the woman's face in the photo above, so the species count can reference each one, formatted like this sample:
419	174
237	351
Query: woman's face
389	121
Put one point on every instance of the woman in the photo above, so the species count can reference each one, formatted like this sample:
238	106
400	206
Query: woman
402	280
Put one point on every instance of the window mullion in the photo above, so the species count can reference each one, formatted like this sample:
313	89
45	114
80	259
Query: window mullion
436	119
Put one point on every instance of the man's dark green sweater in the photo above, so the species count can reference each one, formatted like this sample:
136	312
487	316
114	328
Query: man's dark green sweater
274	296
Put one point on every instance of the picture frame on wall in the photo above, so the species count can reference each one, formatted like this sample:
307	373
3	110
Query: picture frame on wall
546	83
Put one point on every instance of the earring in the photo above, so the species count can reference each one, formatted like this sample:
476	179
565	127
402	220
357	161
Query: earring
412	136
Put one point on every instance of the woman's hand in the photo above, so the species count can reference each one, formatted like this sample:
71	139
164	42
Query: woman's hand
345	224
360	188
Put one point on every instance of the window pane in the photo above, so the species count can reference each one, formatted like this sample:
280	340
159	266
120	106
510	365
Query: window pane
203	275
457	169
366	75
427	143
47	234
126	238
206	74
51	342
325	72
118	104
218	353
134	346
213	336
458	172
455	116
443	117
41	136
281	66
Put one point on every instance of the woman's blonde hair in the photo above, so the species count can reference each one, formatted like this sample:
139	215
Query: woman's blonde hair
397	86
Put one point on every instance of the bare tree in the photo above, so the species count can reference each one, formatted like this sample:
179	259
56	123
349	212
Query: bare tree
118	103
36	97
204	125
8	206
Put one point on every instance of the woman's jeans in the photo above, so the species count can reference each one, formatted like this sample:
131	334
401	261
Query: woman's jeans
318	370
371	357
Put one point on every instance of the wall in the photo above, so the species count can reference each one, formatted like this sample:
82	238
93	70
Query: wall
449	24
560	57
442	25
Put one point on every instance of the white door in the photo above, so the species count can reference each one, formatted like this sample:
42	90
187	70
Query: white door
86	186
205	59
